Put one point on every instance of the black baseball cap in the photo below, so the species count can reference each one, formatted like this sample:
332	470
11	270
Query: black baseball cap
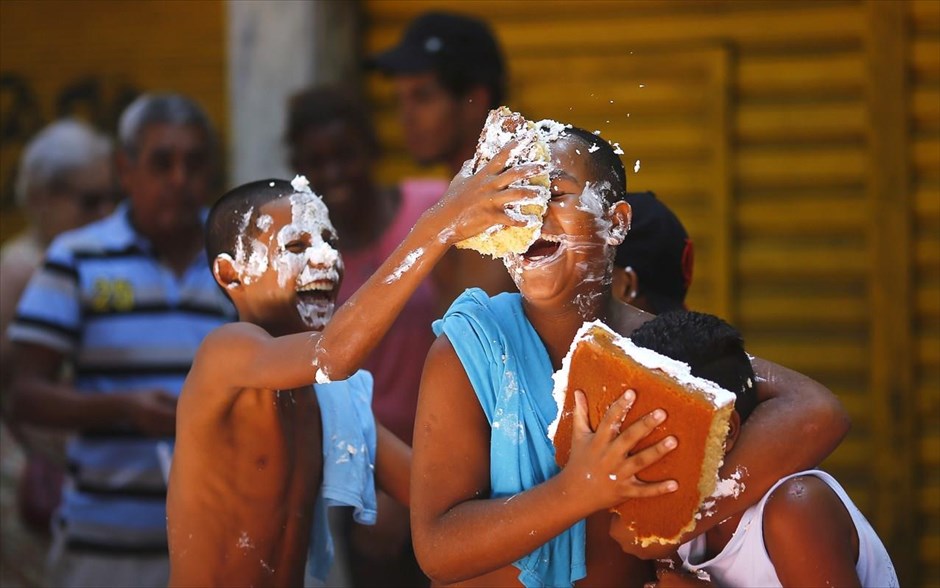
449	43
659	250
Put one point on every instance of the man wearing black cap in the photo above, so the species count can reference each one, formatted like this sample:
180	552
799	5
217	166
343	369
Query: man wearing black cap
654	263
448	72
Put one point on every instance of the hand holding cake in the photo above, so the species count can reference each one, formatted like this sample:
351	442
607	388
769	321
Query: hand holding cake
603	364
512	141
600	476
476	201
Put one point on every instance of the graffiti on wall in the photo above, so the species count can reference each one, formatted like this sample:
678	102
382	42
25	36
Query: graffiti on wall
99	100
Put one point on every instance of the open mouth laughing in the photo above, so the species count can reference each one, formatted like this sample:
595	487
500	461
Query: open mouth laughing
318	292
545	250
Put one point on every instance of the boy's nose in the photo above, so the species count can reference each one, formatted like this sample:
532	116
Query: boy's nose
320	255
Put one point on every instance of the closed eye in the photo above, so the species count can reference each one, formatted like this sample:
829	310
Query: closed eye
296	246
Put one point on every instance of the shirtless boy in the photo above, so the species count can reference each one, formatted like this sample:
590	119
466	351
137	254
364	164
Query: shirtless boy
483	465
249	453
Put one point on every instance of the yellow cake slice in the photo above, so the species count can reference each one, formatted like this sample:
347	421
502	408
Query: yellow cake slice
604	365
502	126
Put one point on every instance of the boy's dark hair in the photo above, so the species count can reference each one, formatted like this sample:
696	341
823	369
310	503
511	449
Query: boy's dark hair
605	163
319	106
461	50
227	223
713	349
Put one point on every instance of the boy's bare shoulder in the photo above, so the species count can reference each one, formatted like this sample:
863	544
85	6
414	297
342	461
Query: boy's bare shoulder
226	345
232	334
800	506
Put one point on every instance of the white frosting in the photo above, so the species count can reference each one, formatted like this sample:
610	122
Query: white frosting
732	486
593	202
529	136
550	130
264	222
727	487
405	265
677	370
248	265
300	184
315	314
319	261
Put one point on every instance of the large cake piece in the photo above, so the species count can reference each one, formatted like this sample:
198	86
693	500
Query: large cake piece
604	365
502	126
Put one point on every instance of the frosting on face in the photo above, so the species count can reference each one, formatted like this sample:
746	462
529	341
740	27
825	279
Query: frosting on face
595	261
304	254
249	265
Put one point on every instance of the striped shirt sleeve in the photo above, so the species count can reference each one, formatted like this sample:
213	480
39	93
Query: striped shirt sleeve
49	312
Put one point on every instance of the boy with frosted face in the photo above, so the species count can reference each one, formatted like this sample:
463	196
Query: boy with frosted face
258	446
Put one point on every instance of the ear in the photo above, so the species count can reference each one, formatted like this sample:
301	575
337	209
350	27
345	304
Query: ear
625	284
734	429
620	216
226	275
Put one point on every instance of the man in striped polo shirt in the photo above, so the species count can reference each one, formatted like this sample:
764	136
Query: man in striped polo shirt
124	302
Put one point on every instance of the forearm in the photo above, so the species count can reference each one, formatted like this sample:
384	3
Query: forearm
792	407
344	343
47	404
450	547
393	465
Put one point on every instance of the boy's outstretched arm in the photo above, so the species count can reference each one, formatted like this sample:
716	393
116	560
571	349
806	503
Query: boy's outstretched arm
450	508
809	535
471	205
392	465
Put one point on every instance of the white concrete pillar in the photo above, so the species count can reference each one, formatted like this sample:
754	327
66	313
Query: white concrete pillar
276	48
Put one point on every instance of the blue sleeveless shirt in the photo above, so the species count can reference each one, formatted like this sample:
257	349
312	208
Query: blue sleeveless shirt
511	373
349	444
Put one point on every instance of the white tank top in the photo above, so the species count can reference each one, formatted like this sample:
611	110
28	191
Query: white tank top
744	560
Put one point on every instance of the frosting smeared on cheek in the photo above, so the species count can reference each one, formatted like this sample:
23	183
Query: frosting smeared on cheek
315	269
250	265
319	261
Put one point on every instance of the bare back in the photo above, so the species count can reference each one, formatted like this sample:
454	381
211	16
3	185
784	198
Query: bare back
247	469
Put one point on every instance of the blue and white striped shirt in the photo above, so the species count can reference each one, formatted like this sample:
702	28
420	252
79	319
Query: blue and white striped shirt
126	322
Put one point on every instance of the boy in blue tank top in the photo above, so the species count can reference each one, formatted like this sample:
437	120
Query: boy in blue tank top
256	444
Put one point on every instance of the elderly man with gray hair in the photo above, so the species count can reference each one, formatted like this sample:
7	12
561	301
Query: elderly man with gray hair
65	179
126	301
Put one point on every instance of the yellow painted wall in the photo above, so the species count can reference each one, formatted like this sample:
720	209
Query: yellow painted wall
90	58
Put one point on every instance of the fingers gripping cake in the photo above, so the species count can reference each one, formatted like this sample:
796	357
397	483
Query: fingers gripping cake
604	365
502	126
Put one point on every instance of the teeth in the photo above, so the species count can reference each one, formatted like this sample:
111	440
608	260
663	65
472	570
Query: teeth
323	286
551	238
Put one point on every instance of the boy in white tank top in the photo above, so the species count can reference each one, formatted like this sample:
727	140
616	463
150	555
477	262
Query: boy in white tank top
805	531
